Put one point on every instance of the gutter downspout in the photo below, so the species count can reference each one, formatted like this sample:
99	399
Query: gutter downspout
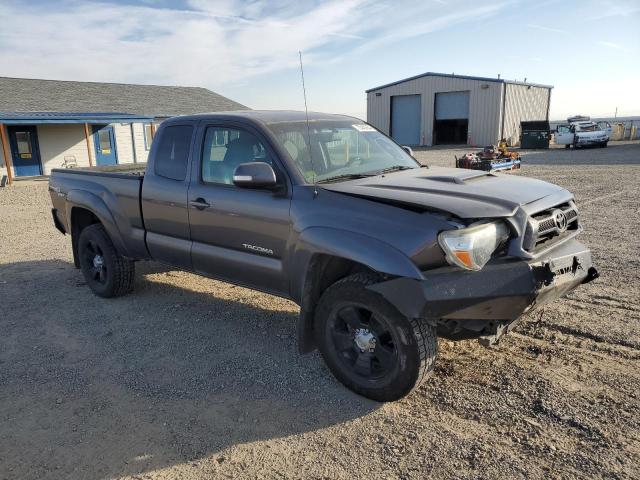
133	144
504	101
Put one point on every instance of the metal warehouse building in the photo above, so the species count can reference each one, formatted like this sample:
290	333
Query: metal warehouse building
442	109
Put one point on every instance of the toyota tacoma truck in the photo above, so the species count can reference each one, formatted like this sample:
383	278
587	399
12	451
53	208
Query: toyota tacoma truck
382	254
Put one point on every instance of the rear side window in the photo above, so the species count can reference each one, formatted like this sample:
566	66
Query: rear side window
173	152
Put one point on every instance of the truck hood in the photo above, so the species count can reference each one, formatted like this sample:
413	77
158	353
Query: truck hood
463	193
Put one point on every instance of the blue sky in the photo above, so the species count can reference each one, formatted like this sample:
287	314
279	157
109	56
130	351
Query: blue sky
248	50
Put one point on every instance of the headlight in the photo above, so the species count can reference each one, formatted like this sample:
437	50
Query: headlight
472	247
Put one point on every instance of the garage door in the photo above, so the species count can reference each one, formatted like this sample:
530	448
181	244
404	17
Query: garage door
405	119
451	123
452	105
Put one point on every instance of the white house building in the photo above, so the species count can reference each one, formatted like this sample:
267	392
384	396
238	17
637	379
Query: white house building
47	124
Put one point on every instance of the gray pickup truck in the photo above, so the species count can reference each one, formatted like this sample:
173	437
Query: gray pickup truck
382	254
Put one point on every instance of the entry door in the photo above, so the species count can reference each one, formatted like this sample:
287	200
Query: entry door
24	151
105	145
238	234
405	119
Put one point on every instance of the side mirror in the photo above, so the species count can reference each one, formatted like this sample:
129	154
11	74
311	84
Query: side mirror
408	150
254	175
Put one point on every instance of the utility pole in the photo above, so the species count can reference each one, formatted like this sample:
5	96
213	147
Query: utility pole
615	115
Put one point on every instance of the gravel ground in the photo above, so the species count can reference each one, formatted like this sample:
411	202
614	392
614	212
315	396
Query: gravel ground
192	378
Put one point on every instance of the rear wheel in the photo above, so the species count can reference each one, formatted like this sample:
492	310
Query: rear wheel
107	273
368	345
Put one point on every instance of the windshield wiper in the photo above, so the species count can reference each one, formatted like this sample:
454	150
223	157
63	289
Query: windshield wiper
394	168
345	176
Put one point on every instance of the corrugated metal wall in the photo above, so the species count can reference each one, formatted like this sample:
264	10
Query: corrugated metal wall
523	103
485	106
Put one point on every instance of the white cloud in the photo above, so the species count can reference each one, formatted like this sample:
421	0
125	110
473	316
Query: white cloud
210	43
546	29
611	45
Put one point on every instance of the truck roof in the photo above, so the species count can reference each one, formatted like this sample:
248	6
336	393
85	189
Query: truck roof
264	116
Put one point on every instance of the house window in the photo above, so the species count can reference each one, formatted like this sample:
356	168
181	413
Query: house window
148	136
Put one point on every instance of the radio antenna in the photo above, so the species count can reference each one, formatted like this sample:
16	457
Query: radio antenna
306	112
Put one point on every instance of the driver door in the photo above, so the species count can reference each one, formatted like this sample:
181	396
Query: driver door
238	234
564	135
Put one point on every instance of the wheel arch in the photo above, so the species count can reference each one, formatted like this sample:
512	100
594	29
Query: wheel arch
325	255
86	209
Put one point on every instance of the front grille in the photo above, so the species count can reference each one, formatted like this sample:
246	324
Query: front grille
551	225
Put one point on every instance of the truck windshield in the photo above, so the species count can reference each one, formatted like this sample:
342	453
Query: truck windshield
340	150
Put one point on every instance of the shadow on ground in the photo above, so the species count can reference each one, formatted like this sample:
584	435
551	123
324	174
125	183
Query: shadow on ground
102	388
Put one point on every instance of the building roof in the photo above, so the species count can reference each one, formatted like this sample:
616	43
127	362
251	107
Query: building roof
464	77
34	118
32	95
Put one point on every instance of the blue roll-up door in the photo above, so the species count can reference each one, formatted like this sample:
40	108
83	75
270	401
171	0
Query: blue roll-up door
452	105
405	119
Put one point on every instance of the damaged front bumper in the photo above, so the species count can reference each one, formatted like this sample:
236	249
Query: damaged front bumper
488	303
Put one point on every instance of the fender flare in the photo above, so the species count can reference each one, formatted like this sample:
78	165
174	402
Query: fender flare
335	242
97	206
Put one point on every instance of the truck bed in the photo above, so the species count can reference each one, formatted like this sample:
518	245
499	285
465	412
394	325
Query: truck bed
116	187
137	169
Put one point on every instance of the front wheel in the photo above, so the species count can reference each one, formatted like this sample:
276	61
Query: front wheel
368	345
107	273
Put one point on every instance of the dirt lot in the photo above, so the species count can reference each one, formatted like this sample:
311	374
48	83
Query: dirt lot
192	378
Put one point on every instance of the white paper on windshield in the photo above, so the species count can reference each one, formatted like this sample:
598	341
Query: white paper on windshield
363	127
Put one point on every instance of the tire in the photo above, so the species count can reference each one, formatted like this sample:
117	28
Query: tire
107	273
368	344
603	145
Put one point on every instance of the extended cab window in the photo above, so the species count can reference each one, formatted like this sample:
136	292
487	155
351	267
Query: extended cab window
173	152
226	148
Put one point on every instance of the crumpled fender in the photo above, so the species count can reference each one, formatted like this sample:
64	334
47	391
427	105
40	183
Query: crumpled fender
93	203
375	254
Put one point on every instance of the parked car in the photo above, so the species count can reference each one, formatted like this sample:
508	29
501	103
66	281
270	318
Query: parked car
382	254
582	132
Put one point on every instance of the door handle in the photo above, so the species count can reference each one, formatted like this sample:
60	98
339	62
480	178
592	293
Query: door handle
199	203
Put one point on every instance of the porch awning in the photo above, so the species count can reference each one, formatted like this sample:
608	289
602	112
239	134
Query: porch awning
37	118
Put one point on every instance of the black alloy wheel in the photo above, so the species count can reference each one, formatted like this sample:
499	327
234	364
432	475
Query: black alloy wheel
364	342
368	344
107	273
